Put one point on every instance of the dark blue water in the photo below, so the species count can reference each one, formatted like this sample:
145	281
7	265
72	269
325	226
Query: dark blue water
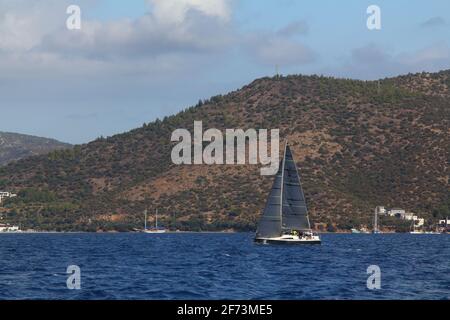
222	266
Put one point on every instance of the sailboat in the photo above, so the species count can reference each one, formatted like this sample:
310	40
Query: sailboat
155	229
285	218
376	229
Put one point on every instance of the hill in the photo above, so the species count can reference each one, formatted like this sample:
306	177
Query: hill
358	144
15	146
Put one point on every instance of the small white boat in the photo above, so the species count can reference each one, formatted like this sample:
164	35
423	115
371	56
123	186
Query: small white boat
156	229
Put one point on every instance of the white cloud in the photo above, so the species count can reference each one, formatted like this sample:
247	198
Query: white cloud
144	38
281	51
175	11
171	36
281	47
17	33
374	61
429	56
433	22
298	27
370	54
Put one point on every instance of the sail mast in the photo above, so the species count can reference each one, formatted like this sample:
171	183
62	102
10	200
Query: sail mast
302	193
282	182
145	219
156	221
375	222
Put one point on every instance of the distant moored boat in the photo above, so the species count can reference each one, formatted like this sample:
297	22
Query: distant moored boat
155	229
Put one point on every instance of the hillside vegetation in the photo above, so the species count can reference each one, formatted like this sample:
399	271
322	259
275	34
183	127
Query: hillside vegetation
14	146
357	144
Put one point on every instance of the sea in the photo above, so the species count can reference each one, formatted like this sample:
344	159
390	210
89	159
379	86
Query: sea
140	266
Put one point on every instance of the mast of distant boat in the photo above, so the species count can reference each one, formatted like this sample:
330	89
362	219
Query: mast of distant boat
156	220
145	220
375	222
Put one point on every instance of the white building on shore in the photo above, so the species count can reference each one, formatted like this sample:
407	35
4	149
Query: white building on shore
8	228
380	210
444	225
6	195
401	214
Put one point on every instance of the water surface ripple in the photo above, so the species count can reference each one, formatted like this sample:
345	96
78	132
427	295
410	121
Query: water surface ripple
222	266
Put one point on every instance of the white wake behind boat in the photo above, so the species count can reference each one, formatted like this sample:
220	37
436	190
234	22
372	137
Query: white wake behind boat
285	218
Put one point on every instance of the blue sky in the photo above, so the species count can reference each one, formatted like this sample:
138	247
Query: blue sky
136	60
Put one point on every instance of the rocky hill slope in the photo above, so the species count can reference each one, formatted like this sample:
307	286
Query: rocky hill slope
358	144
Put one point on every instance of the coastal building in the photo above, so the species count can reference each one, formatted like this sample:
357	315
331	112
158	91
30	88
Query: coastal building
399	213
408	216
5	195
380	210
419	222
444	225
8	228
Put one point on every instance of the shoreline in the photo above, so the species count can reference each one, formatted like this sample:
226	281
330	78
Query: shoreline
180	232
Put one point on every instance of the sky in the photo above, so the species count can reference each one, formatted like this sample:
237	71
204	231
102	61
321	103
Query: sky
137	60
